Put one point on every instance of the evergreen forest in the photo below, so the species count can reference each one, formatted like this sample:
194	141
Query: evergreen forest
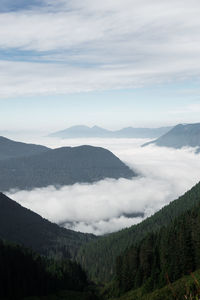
156	259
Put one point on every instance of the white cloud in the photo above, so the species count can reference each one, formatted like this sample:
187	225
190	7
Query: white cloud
103	206
19	78
192	108
102	45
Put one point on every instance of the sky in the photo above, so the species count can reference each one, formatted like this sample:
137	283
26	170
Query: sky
109	205
112	63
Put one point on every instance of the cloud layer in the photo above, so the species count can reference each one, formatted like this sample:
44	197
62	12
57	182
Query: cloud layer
110	205
72	46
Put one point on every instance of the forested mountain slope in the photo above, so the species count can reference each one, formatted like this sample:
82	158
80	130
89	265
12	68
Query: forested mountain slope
10	149
174	250
162	257
187	287
98	257
62	166
23	274
22	226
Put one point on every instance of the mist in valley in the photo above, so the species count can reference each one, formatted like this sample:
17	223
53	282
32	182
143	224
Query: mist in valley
110	205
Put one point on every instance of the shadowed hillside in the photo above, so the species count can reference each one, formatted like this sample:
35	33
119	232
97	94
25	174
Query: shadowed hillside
10	149
182	135
99	257
22	226
24	273
62	166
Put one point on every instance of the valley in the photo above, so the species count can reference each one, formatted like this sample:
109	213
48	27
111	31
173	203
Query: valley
113	261
99	150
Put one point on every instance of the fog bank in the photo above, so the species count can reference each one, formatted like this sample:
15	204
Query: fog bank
111	205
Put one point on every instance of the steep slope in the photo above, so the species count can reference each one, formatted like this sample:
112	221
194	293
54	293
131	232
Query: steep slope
182	135
62	166
23	274
81	131
174	251
187	287
98	257
22	226
10	149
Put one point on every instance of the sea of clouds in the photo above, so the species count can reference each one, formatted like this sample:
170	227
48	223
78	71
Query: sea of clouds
110	205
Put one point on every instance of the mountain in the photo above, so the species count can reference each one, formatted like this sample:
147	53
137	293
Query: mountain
81	131
22	226
184	288
25	274
99	257
62	166
10	149
182	135
162	257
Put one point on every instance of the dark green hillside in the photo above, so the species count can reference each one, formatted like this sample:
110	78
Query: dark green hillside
62	166
22	226
188	287
10	149
24	274
98	257
173	252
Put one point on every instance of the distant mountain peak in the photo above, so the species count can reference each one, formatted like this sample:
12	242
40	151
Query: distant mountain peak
97	127
182	135
82	131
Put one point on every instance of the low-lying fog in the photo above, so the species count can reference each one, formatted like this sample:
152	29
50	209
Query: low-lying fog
110	205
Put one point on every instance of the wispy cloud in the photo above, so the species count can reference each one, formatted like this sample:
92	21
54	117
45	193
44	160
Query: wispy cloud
192	108
92	45
107	206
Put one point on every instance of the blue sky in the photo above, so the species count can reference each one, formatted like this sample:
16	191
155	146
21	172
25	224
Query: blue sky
10	5
112	63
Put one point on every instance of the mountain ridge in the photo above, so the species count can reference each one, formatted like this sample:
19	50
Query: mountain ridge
13	149
82	131
25	227
182	135
62	166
